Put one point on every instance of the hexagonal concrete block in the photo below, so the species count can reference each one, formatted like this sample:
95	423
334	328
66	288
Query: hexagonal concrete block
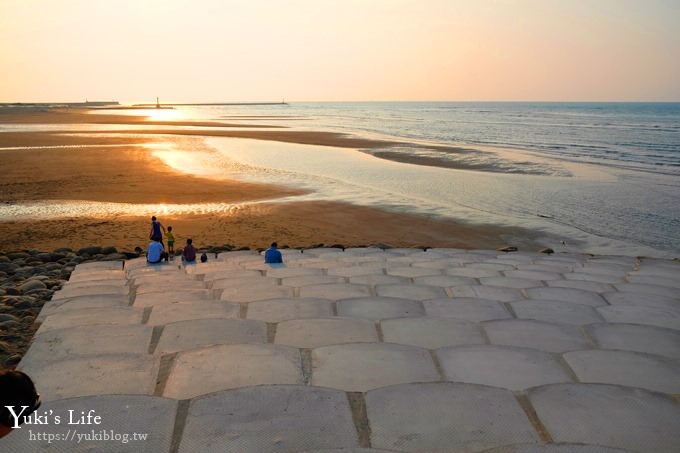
228	273
126	423
586	276
163	297
554	448
283	272
228	366
377	279
379	308
98	282
183	311
90	290
277	310
567	295
556	311
335	291
413	292
242	283
81	275
445	417
431	333
444	281
412	272
89	316
641	288
313	333
500	366
308	280
255	293
642	300
532	275
613	416
355	271
467	308
471	272
279	418
525	333
658	268
183	335
93	340
497	293
508	282
633	314
596	287
81	302
358	367
639	338
492	266
634	369
133	374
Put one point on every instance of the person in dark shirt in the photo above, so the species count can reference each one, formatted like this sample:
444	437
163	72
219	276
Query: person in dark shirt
272	255
189	252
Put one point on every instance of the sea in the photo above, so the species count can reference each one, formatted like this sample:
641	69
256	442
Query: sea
594	177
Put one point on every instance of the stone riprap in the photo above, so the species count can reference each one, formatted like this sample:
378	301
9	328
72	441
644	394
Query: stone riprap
362	350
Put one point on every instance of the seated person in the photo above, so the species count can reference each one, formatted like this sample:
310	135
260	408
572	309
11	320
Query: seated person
17	391
272	255
156	253
189	252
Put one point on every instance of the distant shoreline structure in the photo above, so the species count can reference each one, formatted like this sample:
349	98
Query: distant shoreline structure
61	104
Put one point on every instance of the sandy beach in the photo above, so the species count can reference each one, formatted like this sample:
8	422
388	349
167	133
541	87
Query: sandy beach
101	166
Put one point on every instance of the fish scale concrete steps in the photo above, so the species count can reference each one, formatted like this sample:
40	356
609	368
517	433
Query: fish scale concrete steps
362	350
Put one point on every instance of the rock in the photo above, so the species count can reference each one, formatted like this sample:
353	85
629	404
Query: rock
49	257
8	325
7	317
8	267
32	284
12	291
13	360
112	257
17	255
92	250
4	259
23	304
547	250
108	250
507	249
63	250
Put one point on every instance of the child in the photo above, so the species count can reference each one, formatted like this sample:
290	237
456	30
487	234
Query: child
189	252
171	240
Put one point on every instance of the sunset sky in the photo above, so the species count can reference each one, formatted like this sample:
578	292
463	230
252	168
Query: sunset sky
339	50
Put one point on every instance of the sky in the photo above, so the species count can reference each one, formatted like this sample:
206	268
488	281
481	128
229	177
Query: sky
339	50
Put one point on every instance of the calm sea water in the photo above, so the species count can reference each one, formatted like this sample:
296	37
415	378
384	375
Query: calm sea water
602	177
607	175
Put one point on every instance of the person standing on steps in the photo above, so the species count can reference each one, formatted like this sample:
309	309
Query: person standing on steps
157	230
171	241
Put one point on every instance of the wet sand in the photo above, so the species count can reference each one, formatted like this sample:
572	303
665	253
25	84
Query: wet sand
116	167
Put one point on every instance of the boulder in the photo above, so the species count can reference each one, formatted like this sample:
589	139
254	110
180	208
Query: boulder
17	255
108	250
8	267
92	250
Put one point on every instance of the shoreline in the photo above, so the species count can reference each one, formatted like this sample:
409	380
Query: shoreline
79	165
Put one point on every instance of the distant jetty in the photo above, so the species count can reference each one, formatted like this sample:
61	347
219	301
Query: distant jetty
62	104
